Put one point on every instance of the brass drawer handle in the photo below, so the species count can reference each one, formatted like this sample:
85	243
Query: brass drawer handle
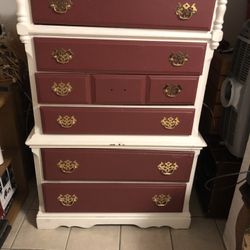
178	59
67	200
161	200
61	89
186	11
61	6
167	168
170	122
67	166
62	56
66	121
171	90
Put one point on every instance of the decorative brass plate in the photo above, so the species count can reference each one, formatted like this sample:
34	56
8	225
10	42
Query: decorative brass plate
66	121
171	90
186	11
61	6
61	89
62	56
170	122
67	166
67	200
161	200
167	168
178	59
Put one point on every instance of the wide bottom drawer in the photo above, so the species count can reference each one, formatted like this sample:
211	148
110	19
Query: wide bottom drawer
113	197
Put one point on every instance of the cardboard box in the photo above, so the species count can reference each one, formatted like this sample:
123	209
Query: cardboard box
7	187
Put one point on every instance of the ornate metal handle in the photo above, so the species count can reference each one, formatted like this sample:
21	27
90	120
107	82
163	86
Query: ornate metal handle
61	89
186	11
67	200
178	59
167	168
67	166
62	56
66	121
170	122
61	6
171	90
161	200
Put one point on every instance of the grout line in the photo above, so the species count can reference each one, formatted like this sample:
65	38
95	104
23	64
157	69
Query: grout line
221	236
21	224
67	242
120	236
171	238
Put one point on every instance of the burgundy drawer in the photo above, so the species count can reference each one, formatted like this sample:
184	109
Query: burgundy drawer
129	13
101	197
116	165
68	88
94	120
172	90
63	88
100	56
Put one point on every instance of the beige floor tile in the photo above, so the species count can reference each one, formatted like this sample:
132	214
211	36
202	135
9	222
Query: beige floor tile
95	238
221	225
203	235
14	229
29	237
134	238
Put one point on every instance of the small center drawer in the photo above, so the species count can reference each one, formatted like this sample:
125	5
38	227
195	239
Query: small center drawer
116	56
96	120
116	165
172	14
120	197
69	88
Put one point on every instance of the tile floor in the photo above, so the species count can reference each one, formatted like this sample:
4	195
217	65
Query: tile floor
204	234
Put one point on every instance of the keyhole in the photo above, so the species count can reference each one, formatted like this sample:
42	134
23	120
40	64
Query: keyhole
124	90
111	89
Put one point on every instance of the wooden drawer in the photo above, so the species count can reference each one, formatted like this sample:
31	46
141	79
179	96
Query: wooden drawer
116	165
104	197
129	13
95	120
69	88
113	56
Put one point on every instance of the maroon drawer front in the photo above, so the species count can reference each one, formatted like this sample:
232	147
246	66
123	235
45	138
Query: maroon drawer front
100	197
68	88
116	165
119	89
140	121
100	56
130	13
63	88
172	90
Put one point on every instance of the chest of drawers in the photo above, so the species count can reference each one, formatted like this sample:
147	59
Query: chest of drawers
117	90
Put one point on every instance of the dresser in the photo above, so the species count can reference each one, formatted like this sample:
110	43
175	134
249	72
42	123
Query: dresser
117	90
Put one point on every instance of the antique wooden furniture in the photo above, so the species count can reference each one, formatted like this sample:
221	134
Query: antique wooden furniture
117	90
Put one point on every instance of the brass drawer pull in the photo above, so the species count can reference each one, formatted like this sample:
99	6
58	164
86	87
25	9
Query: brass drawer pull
66	121
167	168
170	122
161	200
67	200
186	11
61	6
62	56
67	166
62	89
171	90
178	59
